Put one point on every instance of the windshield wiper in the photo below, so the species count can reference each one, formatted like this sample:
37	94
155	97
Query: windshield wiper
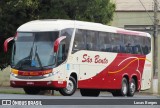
38	58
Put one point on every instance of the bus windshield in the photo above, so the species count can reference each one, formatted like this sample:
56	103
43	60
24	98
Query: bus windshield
33	51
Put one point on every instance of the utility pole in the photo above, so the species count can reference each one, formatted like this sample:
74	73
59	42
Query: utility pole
156	21
156	59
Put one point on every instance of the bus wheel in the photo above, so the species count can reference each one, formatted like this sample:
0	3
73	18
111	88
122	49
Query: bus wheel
124	89
89	92
31	90
131	88
70	89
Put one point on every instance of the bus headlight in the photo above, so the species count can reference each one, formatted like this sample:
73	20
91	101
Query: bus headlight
51	74
48	75
14	75
14	72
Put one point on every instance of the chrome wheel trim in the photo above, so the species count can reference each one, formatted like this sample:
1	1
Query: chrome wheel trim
132	87
70	87
124	88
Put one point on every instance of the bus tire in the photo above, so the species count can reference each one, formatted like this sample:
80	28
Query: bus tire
71	87
31	90
89	92
131	88
124	89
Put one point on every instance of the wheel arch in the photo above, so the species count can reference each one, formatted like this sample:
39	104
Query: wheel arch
136	80
74	75
126	76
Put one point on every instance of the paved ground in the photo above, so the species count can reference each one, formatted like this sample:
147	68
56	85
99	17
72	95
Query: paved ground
77	98
11	90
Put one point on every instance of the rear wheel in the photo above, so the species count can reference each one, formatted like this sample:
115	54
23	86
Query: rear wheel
131	88
89	92
31	90
124	89
70	89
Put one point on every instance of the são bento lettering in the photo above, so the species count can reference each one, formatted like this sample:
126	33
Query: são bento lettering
97	59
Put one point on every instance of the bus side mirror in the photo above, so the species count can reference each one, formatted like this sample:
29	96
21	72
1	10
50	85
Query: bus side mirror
57	43
6	43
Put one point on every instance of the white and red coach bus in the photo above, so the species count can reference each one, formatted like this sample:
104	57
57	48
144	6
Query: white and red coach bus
65	55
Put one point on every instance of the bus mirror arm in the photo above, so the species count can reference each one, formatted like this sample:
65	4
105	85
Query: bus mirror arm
6	43
57	43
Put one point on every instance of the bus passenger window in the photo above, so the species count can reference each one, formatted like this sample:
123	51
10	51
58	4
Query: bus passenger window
104	42
128	42
89	46
79	41
129	48
64	45
91	41
138	43
122	49
146	48
116	42
136	49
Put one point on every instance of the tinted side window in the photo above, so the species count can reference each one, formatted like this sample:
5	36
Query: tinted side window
128	42
68	33
104	42
64	45
116	42
91	41
111	42
79	41
137	44
146	46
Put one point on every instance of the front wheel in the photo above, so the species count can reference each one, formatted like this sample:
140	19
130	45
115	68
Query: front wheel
31	90
70	89
89	92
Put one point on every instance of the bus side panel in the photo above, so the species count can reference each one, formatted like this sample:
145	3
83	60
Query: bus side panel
111	76
92	64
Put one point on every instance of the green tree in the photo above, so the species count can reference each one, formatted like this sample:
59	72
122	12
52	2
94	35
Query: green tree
14	13
100	11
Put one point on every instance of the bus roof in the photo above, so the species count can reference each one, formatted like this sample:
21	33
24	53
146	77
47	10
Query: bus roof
59	24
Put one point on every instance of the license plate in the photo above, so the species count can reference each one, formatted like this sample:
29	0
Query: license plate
30	83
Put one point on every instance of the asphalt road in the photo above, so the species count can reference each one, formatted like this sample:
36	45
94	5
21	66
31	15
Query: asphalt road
77	98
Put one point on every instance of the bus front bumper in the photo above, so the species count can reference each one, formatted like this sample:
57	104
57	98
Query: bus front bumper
42	84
